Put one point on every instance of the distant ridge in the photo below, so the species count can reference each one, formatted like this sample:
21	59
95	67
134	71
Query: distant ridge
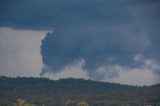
56	92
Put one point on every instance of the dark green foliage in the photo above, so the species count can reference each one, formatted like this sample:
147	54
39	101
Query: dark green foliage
56	92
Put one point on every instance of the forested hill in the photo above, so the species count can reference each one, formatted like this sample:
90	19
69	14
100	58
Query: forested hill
62	85
56	92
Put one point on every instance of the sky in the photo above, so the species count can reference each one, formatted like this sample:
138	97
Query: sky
104	40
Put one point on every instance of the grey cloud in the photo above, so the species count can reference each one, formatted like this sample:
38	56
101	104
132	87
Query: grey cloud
46	14
94	30
96	45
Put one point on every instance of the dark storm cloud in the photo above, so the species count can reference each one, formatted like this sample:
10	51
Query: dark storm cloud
44	14
101	32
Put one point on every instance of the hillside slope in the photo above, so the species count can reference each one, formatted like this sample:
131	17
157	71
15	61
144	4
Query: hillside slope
57	92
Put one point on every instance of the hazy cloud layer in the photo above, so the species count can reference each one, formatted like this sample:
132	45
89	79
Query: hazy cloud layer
102	33
20	52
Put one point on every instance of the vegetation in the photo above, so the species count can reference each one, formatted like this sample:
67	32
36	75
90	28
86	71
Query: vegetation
83	103
21	102
71	92
69	103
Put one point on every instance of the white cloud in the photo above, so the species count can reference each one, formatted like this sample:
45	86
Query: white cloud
138	57
142	75
72	71
136	76
20	52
